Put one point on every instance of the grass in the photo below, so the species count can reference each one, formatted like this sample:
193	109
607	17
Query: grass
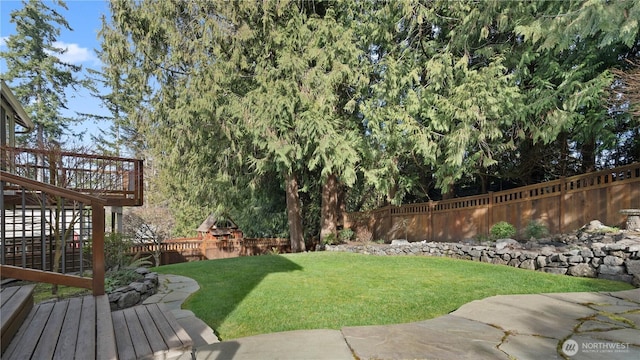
42	291
253	295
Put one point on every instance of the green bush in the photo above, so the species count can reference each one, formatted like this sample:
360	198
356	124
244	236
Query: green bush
502	230
117	250
535	229
345	235
120	278
330	239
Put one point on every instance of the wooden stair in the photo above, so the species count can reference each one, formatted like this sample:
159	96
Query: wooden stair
83	328
16	303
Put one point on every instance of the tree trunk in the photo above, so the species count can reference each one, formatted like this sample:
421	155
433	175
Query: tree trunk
451	191
329	210
294	214
588	153
342	205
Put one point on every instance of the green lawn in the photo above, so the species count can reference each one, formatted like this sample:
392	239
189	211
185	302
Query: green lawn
261	294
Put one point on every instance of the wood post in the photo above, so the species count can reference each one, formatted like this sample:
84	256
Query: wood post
97	234
563	190
489	213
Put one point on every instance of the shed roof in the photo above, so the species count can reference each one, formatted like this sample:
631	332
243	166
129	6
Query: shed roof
211	223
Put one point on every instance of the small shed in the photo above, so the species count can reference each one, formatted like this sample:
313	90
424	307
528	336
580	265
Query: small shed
219	229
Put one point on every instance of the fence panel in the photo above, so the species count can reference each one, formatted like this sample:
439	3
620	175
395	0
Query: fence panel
562	205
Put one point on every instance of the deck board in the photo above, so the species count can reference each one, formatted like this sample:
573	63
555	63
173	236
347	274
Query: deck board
67	343
26	343
185	339
86	343
152	334
7	293
51	332
171	338
123	339
106	346
138	337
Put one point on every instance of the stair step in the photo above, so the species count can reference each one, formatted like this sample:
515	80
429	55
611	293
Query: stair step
149	332
16	303
75	328
85	328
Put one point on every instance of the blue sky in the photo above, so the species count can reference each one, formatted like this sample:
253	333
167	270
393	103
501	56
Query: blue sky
83	17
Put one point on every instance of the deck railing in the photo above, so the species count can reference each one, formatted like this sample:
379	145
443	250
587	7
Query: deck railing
51	234
116	179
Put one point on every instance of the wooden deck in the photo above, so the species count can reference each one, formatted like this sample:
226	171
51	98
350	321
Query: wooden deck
85	328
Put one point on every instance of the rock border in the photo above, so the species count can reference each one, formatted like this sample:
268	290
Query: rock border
605	256
136	292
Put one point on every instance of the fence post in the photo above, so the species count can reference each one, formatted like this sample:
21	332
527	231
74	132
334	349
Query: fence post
389	223
563	190
489	213
430	220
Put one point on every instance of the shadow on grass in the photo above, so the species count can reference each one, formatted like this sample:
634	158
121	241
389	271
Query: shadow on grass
225	283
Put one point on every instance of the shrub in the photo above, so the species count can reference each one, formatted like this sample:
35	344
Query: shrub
535	229
330	239
117	250
345	235
502	230
119	278
274	251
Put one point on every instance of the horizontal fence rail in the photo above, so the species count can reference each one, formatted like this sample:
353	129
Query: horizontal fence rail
50	234
118	180
564	204
203	249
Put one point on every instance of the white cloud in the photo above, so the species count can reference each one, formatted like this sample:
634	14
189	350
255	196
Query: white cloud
75	54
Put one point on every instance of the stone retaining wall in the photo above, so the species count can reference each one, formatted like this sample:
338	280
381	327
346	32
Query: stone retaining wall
613	257
136	292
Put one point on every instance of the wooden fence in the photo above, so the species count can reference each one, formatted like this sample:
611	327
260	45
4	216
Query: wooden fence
192	249
563	205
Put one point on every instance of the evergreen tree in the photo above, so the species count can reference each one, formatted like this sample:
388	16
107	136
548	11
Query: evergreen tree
38	76
244	90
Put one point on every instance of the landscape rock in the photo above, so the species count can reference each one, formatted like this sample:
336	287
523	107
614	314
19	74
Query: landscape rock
129	299
582	270
586	253
541	261
507	243
528	264
557	271
142	271
633	267
611	269
139	287
134	293
399	242
593	226
612	260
